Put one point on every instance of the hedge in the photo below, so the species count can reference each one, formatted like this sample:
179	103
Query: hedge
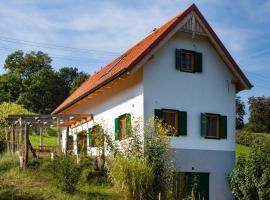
251	139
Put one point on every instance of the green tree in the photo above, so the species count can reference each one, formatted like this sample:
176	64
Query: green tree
71	79
5	110
79	79
259	108
30	81
240	112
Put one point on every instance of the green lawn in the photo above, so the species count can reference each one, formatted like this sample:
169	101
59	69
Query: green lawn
48	140
241	149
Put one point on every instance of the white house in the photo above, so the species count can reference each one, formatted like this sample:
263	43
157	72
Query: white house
182	73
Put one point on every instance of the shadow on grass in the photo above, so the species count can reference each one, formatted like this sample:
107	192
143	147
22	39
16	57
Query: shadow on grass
6	193
100	196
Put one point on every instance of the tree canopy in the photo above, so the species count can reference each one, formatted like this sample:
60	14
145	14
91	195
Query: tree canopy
240	112
259	108
31	81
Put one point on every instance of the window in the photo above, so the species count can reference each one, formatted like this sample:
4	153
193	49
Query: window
174	118
213	126
191	184
122	126
170	118
188	61
81	142
93	135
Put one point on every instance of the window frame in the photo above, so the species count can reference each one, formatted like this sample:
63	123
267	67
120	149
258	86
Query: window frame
192	53
217	116
176	119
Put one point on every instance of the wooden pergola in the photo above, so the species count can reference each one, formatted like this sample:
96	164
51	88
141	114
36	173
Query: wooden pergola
17	132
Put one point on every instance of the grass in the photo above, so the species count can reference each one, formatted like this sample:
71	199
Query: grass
37	183
241	149
48	140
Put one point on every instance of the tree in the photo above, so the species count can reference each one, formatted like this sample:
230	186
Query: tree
71	79
259	108
240	112
5	110
79	79
31	81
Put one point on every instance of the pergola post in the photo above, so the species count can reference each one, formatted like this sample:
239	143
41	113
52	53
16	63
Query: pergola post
7	138
17	139
67	138
41	135
58	135
13	138
26	145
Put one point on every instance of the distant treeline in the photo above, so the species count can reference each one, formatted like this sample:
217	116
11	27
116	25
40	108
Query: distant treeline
259	119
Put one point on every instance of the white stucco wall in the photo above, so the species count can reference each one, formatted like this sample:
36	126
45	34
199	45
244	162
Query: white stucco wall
210	91
124	97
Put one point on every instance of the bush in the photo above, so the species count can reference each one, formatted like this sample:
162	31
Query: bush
251	139
132	175
66	172
251	177
158	155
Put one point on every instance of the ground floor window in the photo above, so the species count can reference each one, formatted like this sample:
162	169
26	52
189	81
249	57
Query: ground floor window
122	126
191	185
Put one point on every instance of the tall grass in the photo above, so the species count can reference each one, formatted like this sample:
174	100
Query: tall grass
8	161
132	175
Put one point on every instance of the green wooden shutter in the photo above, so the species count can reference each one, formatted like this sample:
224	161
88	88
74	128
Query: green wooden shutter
78	144
90	134
128	124
223	127
85	143
158	113
198	62
182	123
203	124
117	128
178	59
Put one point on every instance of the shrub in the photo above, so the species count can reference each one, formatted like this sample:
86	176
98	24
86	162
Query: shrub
251	139
251	177
66	172
132	175
158	155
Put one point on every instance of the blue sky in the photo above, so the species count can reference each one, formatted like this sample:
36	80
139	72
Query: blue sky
89	34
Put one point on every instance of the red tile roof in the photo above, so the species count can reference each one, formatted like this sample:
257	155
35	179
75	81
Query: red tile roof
129	59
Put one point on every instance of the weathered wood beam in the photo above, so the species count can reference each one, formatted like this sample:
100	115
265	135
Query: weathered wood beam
41	135
58	136
13	138
67	140
26	145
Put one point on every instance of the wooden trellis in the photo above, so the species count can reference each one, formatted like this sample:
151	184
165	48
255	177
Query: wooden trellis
17	132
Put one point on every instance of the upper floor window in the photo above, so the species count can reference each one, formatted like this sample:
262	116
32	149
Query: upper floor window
188	61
